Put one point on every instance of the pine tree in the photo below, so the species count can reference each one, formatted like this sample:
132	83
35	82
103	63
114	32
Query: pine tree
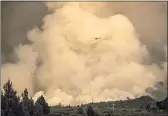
10	113
91	112
27	103
41	101
2	103
80	110
11	103
38	109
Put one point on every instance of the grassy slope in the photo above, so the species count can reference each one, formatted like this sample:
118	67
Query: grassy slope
122	108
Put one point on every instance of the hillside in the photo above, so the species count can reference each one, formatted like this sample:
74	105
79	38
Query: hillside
163	104
130	107
12	105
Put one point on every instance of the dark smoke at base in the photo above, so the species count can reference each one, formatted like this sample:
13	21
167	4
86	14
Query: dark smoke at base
158	91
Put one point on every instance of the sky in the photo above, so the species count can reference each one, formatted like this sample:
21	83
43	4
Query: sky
50	48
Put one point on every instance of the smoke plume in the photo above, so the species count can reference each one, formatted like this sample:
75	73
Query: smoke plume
81	56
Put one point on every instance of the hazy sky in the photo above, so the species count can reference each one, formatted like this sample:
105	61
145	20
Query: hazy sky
52	48
17	19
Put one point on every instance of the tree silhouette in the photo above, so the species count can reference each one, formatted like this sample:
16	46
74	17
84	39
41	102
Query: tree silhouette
80	110
38	109
27	104
163	104
2	104
41	101
11	104
91	112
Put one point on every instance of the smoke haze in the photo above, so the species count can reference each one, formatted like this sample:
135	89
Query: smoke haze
82	54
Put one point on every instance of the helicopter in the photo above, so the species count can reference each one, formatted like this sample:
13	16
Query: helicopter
97	38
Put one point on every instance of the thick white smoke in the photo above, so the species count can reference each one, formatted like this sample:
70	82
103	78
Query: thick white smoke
83	58
21	73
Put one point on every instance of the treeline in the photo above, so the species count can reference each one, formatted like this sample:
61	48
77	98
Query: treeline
163	104
13	105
